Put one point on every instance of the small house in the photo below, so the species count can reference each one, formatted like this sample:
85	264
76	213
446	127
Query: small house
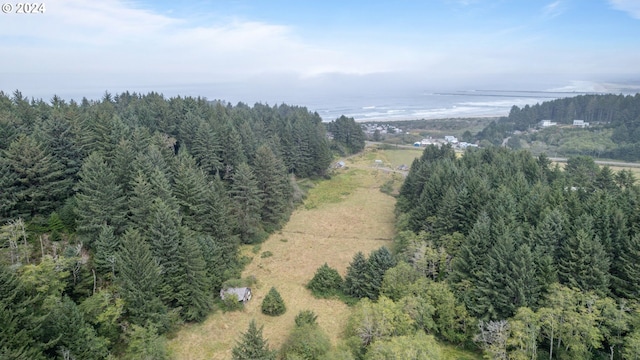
580	123
451	139
547	123
243	293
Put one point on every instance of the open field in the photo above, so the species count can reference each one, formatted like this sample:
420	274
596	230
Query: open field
340	217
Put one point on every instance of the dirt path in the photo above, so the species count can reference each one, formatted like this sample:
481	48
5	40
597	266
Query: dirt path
362	220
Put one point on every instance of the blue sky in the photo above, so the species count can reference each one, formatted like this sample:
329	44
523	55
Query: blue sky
279	50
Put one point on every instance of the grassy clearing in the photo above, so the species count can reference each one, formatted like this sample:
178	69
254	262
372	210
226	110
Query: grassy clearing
451	352
348	214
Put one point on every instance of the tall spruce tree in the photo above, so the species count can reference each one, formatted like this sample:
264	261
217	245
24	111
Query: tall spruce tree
273	182
627	269
106	249
247	202
100	200
252	345
583	263
19	320
467	267
165	238
139	279
357	278
33	180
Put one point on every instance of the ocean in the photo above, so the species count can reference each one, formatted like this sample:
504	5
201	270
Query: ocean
432	105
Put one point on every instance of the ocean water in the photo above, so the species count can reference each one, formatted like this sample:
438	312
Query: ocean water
432	105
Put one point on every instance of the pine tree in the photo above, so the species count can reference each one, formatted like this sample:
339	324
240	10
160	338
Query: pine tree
379	262
468	266
165	239
18	319
247	202
583	263
544	241
139	280
100	200
194	291
273	304
252	345
107	245
67	333
355	283
325	282
206	149
273	182
628	269
190	189
33	180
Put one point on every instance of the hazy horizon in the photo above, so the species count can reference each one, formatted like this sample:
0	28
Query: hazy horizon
321	52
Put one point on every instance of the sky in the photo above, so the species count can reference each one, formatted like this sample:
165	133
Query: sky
292	50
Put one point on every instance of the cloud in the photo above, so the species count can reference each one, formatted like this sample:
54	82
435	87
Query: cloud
112	36
553	9
631	7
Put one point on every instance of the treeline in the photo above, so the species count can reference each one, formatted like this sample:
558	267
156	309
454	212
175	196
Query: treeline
617	112
122	217
541	260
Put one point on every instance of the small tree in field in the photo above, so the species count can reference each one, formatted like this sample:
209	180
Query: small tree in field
252	345
326	282
273	304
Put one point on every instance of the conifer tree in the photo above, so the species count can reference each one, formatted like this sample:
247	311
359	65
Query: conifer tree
467	267
356	281
627	268
252	345
165	238
583	263
273	182
247	202
139	281
206	149
18	318
379	262
100	200
107	245
273	304
33	180
194	292
67	333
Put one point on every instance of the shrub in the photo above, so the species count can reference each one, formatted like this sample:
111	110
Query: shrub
266	254
326	282
307	342
306	317
273	305
231	303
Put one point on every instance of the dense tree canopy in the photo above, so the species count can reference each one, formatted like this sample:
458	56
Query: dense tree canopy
542	257
131	210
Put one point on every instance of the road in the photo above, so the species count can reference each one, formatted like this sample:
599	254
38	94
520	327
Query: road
602	162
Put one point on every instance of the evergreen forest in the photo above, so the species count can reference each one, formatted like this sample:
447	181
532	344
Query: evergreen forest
122	218
544	262
616	117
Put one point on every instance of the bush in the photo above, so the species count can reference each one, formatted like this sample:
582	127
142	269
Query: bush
273	305
326	282
266	254
307	342
231	303
306	317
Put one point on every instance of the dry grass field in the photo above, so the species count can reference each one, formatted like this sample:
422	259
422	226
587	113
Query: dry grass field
340	217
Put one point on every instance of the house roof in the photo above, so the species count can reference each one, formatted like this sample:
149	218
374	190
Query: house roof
239	292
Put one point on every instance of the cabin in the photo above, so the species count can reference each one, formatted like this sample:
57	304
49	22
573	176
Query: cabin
243	293
547	123
451	139
580	123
